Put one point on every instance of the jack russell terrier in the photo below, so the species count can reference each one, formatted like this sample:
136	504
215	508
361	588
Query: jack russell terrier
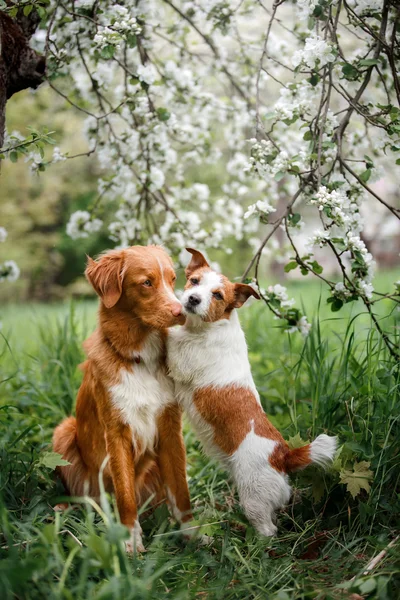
208	360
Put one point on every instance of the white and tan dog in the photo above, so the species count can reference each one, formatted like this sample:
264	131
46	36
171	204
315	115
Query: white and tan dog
208	360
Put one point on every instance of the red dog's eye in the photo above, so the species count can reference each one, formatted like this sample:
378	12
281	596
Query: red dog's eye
147	283
194	281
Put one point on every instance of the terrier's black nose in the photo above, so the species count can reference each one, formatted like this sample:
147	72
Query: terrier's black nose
194	300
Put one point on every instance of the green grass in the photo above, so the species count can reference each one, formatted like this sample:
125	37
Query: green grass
341	380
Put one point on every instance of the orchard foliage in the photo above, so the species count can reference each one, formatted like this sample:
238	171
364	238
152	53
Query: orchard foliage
296	103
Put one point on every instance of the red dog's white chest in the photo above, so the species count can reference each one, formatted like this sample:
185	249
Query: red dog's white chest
142	393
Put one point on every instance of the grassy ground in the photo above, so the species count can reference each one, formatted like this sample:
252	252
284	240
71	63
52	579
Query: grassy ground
340	381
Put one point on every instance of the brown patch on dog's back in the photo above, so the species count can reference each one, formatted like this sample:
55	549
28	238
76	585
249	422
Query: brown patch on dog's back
232	412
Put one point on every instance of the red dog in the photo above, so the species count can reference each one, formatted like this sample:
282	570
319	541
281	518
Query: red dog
125	408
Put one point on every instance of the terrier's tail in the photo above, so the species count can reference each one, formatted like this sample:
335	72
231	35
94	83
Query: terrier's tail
320	452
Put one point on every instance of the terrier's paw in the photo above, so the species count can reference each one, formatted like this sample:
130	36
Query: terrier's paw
268	530
132	546
61	507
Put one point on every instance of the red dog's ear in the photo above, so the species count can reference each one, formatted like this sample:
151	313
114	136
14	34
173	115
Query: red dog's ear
242	293
105	275
197	262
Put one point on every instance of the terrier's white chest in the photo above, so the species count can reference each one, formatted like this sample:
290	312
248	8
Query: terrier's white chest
142	393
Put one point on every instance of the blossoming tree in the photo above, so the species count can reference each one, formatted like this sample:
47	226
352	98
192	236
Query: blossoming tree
298	103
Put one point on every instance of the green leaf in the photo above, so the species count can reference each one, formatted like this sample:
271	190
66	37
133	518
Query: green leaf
336	305
27	10
368	62
318	11
304	271
108	51
308	135
365	175
339	244
398	161
290	266
131	39
294	218
51	460
350	72
163	114
316	267
367	586
314	79
279	175
358	479
13	156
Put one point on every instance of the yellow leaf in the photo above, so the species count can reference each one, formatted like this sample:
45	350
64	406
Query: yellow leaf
358	479
296	441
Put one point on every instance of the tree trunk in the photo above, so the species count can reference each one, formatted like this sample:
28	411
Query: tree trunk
20	66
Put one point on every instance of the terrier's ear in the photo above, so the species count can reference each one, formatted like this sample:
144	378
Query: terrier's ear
106	276
242	293
196	262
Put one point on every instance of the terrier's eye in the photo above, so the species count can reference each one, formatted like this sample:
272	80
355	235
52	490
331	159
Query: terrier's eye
218	296
147	283
194	281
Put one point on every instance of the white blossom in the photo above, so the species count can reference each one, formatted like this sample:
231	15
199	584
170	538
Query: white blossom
315	49
304	326
157	178
147	73
9	271
260	208
57	155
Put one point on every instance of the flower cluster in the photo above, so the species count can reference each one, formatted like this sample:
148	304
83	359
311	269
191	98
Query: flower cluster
337	205
343	232
58	156
116	33
266	161
173	90
261	208
81	224
283	307
316	53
